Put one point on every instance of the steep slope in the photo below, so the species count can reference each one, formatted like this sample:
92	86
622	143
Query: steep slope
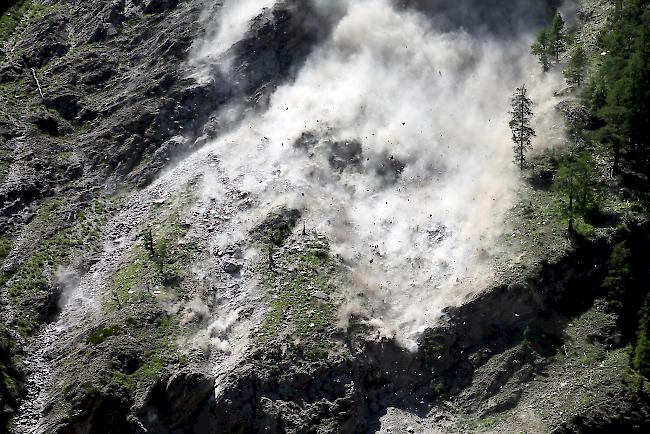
259	231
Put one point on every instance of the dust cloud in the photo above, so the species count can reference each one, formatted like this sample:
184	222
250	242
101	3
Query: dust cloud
394	139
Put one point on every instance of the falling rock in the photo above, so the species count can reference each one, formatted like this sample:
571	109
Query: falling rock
320	295
230	267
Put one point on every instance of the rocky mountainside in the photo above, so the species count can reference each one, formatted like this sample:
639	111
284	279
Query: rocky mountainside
149	284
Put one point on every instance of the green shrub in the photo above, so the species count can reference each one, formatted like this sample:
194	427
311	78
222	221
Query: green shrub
101	334
641	357
619	277
5	248
11	17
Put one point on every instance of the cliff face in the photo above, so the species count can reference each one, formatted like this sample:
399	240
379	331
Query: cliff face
121	313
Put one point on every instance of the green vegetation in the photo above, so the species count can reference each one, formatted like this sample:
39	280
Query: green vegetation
49	207
619	276
141	347
301	288
158	260
550	43
540	48
11	17
641	359
319	351
11	387
522	132
101	334
576	69
582	183
147	373
278	227
557	37
576	182
619	90
16	16
32	278
156	337
5	248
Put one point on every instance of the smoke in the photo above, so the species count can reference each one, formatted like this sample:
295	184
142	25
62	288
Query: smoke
394	139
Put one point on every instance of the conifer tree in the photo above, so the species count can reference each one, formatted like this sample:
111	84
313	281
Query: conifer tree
619	90
575	71
557	37
641	359
522	132
576	181
541	49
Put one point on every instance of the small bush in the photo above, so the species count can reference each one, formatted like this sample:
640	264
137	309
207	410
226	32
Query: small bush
100	335
5	248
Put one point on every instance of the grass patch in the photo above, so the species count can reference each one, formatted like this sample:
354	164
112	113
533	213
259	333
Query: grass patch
157	358
17	17
5	248
11	17
102	334
159	262
49	208
319	351
301	288
33	276
147	373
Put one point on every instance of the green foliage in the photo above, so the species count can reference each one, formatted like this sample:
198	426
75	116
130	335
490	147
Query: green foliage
154	264
577	182
147	373
641	357
49	207
550	42
522	132
32	276
17	16
619	91
162	249
11	376
5	248
11	18
619	277
277	227
295	307
162	352
577	66
541	49
101	334
557	37
319	351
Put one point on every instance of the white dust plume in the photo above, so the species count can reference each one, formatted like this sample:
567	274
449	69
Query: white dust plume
394	139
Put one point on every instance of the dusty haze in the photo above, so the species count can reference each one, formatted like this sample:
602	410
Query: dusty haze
394	139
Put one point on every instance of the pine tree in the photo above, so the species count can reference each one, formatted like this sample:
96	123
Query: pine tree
557	37
522	132
576	181
619	90
641	359
575	71
541	49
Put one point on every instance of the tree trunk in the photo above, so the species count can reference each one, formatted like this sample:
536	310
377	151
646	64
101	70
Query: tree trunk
521	133
571	204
